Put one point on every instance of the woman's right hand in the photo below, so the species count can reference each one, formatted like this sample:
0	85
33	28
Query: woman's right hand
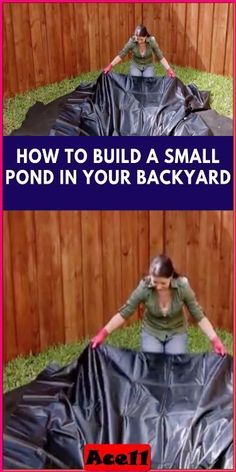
107	69
99	338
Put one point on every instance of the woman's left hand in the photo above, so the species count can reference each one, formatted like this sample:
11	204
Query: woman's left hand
171	73
218	346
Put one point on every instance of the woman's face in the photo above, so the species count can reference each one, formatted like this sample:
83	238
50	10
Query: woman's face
161	283
140	39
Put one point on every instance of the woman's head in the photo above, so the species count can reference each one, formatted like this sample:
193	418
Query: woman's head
141	33
162	271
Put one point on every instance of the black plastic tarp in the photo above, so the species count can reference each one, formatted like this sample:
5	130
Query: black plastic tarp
122	105
181	405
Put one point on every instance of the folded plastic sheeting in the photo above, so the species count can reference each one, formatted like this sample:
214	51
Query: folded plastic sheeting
180	405
121	105
133	106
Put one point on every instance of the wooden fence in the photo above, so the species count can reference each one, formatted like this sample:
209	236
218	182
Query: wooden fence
46	42
67	272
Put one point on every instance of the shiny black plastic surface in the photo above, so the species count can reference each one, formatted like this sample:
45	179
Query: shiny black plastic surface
121	105
181	405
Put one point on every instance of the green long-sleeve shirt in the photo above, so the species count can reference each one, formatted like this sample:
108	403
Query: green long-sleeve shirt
147	58
155	321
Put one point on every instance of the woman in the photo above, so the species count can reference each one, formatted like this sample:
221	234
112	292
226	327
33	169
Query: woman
164	294
142	46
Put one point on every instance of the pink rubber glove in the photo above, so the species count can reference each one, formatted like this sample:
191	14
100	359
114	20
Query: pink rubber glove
218	346
99	338
171	73
107	69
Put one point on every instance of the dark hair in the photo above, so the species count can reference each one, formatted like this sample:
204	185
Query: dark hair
141	30
162	266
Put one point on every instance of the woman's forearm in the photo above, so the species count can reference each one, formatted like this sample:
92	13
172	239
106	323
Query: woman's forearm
115	322
207	328
165	63
116	61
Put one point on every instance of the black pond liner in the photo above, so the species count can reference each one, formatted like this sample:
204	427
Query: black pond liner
121	105
181	405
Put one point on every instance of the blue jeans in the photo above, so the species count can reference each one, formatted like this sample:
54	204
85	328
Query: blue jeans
147	71
177	344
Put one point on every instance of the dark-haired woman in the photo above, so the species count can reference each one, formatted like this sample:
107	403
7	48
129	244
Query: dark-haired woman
142	47
164	294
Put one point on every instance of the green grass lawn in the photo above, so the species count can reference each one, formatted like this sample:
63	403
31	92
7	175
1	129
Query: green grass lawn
24	369
221	92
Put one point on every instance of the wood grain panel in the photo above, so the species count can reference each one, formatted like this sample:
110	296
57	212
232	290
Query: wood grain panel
45	42
54	41
10	345
92	271
93	37
67	273
81	37
72	277
49	280
23	256
229	65
129	250
23	47
226	285
191	35
68	38
205	36
115	43
175	246
156	233
10	75
39	45
179	19
104	34
111	263
219	35
213	237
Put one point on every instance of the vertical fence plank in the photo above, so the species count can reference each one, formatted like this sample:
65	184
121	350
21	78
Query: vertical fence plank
24	280
81	37
213	264
54	41
179	18
228	66
193	249
93	37
225	270
123	32
143	242
115	44
175	246
104	33
92	271
68	38
138	13
111	263
10	345
39	48
23	47
202	260
10	76
191	36
72	278
50	291
219	37
205	36
129	247
156	233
